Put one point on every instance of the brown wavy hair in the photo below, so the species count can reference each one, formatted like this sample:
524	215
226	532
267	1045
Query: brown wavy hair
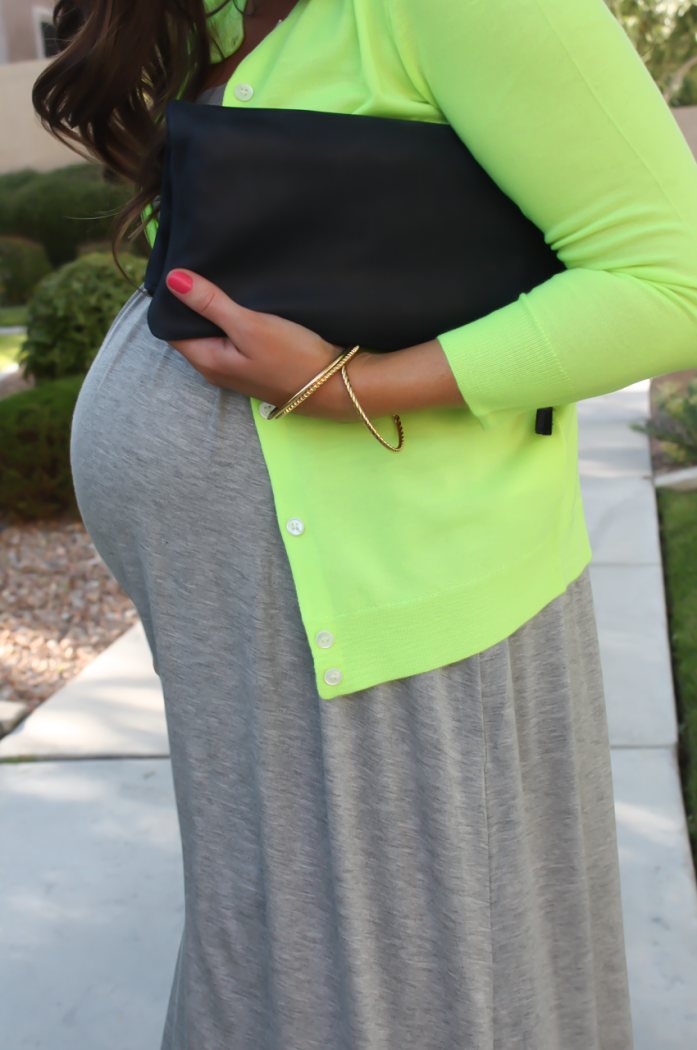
120	62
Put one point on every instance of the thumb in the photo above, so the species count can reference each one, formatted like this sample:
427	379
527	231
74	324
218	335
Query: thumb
206	299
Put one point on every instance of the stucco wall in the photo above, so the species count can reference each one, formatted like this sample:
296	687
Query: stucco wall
686	117
18	29
23	142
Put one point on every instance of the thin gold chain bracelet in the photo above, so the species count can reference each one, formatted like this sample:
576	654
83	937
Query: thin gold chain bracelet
314	384
361	413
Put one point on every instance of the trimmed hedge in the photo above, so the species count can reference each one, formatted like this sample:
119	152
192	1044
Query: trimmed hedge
60	209
35	478
71	312
13	315
678	513
22	265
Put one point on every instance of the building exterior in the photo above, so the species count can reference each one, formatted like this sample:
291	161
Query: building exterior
26	43
686	117
26	30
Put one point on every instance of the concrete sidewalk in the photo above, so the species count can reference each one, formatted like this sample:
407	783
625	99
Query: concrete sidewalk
90	869
658	885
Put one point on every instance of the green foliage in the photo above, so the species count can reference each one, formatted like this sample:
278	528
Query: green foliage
13	315
676	427
60	209
664	32
35	478
71	312
22	265
678	511
10	349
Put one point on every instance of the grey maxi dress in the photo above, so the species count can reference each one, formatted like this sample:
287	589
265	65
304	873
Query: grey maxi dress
430	864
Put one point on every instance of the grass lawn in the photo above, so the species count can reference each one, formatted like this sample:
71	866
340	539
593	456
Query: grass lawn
12	315
10	345
678	514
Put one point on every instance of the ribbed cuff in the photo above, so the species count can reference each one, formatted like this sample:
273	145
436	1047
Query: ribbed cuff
504	365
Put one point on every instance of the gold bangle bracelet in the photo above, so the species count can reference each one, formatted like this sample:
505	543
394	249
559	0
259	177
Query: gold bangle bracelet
371	428
314	384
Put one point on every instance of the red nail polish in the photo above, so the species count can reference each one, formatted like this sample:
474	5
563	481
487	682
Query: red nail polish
179	282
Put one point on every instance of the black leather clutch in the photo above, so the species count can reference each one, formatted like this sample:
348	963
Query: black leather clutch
364	229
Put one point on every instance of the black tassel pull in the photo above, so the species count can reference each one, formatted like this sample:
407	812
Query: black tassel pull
543	421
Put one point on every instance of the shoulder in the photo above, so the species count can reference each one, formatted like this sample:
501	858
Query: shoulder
463	22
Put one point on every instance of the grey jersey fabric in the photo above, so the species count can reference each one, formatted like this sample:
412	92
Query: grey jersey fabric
212	96
427	865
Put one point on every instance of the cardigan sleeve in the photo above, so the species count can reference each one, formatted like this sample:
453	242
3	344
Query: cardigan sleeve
552	100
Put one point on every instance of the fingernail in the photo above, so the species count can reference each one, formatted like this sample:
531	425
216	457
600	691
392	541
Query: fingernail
179	282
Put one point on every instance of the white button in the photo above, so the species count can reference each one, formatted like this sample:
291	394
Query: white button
243	92
265	409
295	527
333	676
325	639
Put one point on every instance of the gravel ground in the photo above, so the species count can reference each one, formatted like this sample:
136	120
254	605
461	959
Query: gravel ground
59	608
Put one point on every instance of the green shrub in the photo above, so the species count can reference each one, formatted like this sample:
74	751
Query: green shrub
676	426
35	478
678	512
22	265
10	350
13	315
60	209
71	312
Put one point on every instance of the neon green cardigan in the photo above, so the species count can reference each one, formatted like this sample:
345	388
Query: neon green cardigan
406	563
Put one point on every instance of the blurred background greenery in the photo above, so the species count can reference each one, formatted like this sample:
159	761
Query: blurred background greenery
61	210
665	36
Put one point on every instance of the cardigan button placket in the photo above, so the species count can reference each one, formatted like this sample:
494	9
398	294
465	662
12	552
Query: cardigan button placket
243	92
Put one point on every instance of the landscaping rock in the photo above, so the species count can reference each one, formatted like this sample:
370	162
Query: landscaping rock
11	714
59	608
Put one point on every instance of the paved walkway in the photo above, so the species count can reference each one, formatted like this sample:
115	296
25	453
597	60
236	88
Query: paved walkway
658	884
90	869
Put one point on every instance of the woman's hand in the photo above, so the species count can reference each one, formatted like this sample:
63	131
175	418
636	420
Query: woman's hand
263	356
269	358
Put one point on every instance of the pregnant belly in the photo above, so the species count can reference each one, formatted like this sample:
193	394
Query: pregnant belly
164	464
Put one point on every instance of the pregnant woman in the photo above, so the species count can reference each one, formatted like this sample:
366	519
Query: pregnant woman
381	671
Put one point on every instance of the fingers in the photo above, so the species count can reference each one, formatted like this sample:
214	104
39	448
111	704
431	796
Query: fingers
216	358
208	300
262	352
